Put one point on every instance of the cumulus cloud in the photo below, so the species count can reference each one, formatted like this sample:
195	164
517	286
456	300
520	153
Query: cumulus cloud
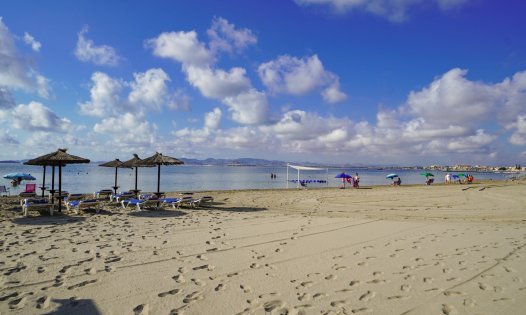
183	47
298	76
249	107
149	88
218	83
232	87
31	41
87	51
128	129
225	37
15	71
37	117
453	99
518	137
105	96
396	11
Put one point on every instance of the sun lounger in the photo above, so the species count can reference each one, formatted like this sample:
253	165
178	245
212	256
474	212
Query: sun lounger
76	205
4	190
36	204
24	195
103	193
121	196
73	197
204	199
178	202
140	203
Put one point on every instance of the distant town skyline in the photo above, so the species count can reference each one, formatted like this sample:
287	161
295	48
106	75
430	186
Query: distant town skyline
331	82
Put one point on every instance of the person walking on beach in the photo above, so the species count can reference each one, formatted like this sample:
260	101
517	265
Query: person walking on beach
448	178
356	181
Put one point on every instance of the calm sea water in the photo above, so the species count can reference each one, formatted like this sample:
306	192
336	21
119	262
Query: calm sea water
87	178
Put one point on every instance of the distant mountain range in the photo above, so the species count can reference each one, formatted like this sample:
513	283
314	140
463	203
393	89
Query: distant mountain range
247	162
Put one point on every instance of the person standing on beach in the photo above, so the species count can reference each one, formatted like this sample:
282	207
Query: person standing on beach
356	181
448	178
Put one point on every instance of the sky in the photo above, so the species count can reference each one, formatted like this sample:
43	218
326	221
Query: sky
406	82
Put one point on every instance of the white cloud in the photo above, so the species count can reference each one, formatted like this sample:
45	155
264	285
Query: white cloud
452	99
31	41
396	11
149	88
147	91
297	76
333	94
518	137
225	37
104	94
183	47
127	129
213	119
87	51
249	107
37	117
218	83
15	71
190	136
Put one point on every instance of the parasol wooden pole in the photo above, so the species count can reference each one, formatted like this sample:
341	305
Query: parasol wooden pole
43	182
59	186
158	178
115	187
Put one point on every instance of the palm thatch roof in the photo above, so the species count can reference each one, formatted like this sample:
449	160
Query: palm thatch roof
115	163
135	162
58	157
160	159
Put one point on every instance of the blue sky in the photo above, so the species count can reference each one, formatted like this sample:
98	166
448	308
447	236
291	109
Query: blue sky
328	81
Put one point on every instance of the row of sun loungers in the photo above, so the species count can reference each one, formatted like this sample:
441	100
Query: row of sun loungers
76	202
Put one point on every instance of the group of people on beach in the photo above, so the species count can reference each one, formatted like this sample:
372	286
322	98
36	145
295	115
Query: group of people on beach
353	180
449	179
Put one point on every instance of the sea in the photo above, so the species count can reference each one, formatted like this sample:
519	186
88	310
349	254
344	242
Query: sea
88	178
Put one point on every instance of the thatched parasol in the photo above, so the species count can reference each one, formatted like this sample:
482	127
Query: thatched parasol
135	162
159	159
117	164
58	158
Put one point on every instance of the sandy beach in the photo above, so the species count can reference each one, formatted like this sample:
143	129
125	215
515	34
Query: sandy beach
440	249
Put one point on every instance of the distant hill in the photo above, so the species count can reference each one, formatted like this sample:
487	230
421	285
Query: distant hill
8	161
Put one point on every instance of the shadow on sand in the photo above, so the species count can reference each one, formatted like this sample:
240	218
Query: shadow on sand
160	213
58	218
74	306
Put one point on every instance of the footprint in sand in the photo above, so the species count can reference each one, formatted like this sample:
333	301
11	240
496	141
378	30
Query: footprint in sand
448	309
270	306
304	297
82	284
179	278
405	287
192	297
197	282
339	303
43	302
171	292
319	295
17	303
141	309
367	296
246	289
220	287
331	277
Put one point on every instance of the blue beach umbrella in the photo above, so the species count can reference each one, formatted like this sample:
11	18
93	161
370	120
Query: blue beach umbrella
23	176
391	176
344	176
